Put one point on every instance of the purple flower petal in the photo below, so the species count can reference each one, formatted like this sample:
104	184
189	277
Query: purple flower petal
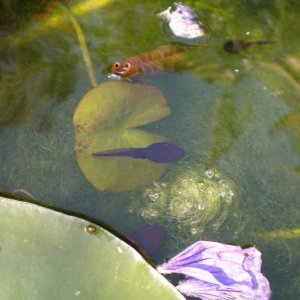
206	291
219	271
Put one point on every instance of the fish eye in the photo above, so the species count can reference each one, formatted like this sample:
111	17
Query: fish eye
116	66
127	65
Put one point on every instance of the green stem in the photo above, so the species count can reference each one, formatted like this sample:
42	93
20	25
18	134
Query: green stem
82	44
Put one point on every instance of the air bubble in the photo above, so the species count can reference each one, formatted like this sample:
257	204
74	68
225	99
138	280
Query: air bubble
194	231
90	229
163	185
153	196
209	173
192	200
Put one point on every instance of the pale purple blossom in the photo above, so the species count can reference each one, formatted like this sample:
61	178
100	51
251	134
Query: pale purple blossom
218	271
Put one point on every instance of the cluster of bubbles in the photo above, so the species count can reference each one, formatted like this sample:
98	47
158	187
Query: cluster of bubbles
192	200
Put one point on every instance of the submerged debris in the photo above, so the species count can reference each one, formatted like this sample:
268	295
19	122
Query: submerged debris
183	23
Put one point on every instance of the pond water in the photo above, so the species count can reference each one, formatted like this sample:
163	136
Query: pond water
236	115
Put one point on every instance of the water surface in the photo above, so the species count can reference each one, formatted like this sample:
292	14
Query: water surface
236	115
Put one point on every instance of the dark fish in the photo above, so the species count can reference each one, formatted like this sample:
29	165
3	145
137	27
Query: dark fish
159	152
236	46
150	238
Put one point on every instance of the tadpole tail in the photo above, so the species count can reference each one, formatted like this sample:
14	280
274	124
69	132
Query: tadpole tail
263	42
127	152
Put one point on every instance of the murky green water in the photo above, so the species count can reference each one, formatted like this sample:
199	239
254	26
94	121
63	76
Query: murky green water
236	115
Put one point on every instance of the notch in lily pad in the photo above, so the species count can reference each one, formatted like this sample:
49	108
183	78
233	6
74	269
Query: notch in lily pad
106	118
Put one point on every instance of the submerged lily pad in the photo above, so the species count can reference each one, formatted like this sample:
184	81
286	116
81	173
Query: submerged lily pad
104	120
45	255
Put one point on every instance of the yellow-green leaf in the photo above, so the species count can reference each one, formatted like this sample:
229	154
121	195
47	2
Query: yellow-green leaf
105	119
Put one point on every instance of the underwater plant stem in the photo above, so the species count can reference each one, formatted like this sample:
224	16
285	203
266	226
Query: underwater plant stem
281	234
82	44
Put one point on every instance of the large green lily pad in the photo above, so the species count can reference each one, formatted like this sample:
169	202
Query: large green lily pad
105	119
45	255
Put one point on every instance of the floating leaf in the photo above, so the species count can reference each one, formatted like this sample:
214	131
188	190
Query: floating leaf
105	120
49	255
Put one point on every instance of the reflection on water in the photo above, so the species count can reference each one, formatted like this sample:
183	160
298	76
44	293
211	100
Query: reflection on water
238	114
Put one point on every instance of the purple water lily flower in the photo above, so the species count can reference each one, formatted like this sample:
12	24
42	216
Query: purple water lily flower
218	271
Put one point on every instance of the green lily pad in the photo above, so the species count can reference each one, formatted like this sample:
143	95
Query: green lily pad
105	119
45	254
